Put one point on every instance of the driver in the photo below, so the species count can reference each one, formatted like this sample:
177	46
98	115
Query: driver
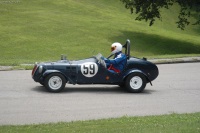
117	64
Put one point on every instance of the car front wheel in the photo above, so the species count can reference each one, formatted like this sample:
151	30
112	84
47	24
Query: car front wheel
136	82
55	82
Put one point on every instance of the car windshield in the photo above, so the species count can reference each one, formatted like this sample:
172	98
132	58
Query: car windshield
98	56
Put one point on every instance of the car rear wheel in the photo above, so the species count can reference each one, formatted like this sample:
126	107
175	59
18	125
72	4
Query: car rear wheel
55	82
136	82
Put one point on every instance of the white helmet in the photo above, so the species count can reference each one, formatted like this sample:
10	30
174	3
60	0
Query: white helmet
116	47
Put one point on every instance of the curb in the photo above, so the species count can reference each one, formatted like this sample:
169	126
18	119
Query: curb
6	68
155	61
176	60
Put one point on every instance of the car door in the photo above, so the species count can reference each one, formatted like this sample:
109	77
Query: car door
91	73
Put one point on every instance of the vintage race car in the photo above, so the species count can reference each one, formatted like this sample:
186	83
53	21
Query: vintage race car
136	74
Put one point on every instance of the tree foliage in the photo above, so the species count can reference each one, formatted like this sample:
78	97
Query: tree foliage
149	10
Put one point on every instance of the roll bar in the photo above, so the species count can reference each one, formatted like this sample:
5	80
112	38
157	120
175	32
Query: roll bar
127	48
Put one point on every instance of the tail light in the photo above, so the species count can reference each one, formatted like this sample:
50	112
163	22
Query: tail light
34	69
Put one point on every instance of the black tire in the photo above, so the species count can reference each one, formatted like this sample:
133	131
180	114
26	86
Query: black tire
135	82
55	82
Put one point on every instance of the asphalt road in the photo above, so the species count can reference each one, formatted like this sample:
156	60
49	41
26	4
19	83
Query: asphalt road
22	101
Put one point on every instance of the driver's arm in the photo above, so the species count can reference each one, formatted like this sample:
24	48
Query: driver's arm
116	60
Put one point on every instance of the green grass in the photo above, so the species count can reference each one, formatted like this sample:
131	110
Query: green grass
174	123
38	30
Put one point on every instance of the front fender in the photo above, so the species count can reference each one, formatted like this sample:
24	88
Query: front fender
47	72
135	71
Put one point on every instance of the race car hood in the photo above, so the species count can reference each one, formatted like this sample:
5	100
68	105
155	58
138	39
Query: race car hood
61	64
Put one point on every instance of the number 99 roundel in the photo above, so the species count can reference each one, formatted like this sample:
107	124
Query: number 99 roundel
89	69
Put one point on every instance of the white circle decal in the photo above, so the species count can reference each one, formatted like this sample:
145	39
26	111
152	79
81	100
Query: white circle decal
89	69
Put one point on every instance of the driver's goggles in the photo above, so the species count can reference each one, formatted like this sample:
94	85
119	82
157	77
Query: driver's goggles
113	48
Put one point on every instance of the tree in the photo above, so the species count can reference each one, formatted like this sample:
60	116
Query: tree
149	10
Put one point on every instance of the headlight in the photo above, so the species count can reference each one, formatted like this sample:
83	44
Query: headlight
34	69
40	69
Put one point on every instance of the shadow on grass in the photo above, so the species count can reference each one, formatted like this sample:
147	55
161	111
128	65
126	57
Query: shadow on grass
150	44
195	16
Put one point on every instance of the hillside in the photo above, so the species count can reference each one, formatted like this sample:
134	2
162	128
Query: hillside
43	30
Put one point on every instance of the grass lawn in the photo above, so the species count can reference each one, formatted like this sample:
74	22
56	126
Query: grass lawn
174	123
34	31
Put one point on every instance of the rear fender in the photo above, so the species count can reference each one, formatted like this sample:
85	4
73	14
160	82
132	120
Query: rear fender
136	71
